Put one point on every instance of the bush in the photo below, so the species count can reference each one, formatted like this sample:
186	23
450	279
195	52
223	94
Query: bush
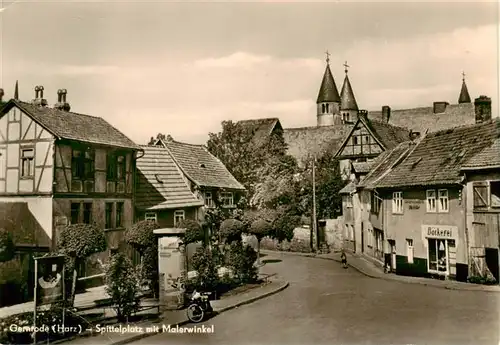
141	235
231	230
13	283
7	247
260	228
203	262
482	280
300	246
194	232
284	226
82	239
241	260
149	274
123	285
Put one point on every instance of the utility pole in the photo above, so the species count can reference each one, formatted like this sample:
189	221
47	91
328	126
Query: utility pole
315	228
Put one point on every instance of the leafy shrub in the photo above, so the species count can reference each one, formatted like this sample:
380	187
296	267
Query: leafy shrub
482	280
260	228
13	283
82	239
141	236
7	247
123	284
300	246
231	230
284	226
194	231
241	260
203	262
149	274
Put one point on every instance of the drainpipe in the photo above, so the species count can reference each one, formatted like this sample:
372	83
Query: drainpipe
467	249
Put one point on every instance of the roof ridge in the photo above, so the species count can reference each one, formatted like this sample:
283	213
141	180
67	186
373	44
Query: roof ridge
183	143
60	111
465	126
260	119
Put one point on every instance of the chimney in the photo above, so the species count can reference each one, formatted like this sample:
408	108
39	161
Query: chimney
482	109
39	100
363	114
61	100
386	113
1	95
413	135
440	107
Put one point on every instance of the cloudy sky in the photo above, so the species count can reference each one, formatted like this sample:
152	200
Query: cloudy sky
182	68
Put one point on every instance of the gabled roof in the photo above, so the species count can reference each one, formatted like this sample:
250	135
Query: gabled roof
381	165
437	159
464	94
160	184
200	166
488	158
349	188
388	136
423	119
328	91
262	128
347	99
73	126
306	141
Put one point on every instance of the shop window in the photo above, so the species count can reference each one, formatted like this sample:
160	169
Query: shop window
397	202
431	200
409	250
437	255
443	200
495	193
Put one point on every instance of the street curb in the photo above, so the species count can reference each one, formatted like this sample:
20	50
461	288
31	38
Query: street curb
140	336
389	277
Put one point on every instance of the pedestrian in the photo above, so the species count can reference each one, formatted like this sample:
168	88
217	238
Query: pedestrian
343	257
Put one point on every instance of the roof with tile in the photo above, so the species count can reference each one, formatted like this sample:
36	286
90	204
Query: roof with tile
201	167
74	126
437	159
349	188
389	135
160	183
464	94
306	141
487	158
262	128
423	119
362	167
328	91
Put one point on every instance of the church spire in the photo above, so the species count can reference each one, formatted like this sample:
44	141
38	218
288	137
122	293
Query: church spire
328	91
347	99
16	91
464	93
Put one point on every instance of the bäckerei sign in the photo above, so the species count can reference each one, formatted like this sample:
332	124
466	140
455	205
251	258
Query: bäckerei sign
440	231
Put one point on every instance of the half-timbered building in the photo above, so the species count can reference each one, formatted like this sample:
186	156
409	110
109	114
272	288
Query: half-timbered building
65	168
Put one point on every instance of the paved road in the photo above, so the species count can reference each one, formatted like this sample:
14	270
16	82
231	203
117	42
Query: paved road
326	304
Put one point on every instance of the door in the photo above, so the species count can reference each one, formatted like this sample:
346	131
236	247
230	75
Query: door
393	255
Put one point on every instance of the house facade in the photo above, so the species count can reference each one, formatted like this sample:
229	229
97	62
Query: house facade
422	215
63	168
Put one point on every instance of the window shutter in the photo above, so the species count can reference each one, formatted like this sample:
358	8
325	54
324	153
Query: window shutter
480	195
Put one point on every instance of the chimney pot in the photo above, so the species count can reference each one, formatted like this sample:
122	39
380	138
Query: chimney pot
482	109
386	113
440	107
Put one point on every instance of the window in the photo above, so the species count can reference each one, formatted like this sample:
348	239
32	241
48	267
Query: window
209	202
480	194
494	193
437	255
376	203
327	108
87	213
150	216
27	162
119	215
367	139
82	164
348	201
75	212
431	200
322	108
355	140
178	216
397	202
409	250
116	167
2	164
109	215
227	199
443	200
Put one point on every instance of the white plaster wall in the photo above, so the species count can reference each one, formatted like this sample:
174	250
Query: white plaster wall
40	207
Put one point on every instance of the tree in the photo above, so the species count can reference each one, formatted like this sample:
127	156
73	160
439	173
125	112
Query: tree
122	285
284	226
231	230
79	241
7	247
260	229
194	231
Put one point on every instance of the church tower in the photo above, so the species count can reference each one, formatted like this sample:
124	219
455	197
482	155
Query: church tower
328	102
348	106
464	93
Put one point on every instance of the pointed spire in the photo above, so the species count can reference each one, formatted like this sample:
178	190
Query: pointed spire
16	91
347	99
464	93
328	91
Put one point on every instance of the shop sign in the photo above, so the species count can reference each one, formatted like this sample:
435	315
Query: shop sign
440	231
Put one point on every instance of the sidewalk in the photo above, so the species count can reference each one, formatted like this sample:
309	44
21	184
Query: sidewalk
174	318
370	269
